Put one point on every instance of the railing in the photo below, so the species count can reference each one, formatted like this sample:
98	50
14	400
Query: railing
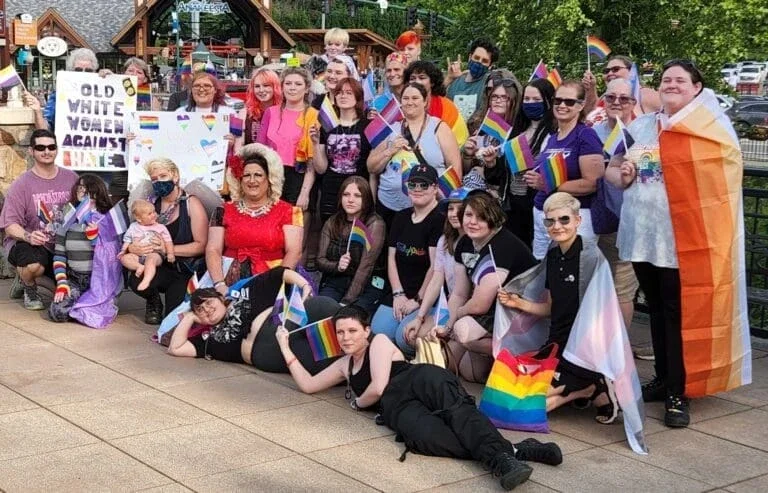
756	229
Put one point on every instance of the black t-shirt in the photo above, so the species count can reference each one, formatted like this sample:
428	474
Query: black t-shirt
347	150
257	294
563	284
411	243
509	252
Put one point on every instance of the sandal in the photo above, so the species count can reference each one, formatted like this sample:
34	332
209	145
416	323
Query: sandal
607	413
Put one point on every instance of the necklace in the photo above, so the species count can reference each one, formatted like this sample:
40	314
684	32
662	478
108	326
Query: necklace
242	208
165	216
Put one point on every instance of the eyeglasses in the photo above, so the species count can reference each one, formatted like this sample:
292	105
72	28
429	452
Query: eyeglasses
204	87
614	70
499	97
567	101
414	186
81	69
550	221
612	98
41	147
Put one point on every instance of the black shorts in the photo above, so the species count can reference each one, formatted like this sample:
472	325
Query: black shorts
292	188
574	377
23	254
485	320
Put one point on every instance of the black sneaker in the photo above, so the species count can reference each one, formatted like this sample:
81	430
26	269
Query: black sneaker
533	450
655	390
154	311
511	471
676	415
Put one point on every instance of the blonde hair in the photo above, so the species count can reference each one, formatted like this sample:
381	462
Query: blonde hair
141	205
562	200
336	35
164	164
275	172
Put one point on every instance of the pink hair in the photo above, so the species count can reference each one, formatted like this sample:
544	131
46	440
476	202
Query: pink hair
253	106
408	37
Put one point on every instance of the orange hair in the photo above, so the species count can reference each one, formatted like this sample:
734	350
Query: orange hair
252	104
408	37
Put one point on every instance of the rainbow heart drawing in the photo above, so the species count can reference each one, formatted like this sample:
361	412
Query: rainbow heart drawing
209	146
210	121
183	121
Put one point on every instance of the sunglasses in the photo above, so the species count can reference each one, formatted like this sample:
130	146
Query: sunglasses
612	98
550	221
614	70
567	101
497	80
81	69
41	147
414	186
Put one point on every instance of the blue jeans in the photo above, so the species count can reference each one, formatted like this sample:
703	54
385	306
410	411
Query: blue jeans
384	323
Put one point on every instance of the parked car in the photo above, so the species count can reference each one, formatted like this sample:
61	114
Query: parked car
751	74
746	114
725	101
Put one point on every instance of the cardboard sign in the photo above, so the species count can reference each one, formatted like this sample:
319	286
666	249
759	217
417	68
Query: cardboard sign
194	141
90	119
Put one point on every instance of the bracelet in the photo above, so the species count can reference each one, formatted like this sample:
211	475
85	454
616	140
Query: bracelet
397	294
219	282
293	360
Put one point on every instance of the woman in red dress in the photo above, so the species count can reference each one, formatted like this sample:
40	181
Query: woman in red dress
257	229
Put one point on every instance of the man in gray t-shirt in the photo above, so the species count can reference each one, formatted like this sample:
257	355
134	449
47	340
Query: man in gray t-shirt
465	89
31	213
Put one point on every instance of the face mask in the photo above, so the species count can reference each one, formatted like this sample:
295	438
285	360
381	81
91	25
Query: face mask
476	69
163	188
534	111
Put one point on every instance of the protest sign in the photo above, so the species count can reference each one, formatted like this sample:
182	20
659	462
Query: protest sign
90	112
194	141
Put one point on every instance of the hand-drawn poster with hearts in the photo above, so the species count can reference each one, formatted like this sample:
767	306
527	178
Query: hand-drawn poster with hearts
194	141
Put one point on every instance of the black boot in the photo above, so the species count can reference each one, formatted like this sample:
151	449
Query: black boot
510	471
154	311
533	450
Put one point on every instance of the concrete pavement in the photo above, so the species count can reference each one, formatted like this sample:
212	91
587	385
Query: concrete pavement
108	410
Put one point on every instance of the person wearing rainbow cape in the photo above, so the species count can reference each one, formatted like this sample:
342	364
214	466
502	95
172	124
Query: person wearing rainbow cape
572	290
424	404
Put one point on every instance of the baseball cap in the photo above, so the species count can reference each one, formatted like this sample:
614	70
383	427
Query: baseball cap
457	195
423	172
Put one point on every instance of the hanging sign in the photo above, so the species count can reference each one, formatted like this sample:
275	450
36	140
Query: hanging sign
205	6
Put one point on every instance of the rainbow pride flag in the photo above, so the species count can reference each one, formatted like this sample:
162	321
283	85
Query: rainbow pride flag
554	78
554	171
192	284
148	122
361	234
515	395
495	126
322	340
144	98
449	181
540	72
597	47
517	153
377	131
327	115
44	213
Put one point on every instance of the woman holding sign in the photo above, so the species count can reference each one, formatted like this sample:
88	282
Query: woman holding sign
241	328
347	260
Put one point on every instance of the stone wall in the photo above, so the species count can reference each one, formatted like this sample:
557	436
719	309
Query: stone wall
16	126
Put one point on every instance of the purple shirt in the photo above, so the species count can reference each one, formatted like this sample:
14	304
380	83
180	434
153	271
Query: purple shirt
581	141
21	203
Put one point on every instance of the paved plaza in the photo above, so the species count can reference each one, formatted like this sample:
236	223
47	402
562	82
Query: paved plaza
98	410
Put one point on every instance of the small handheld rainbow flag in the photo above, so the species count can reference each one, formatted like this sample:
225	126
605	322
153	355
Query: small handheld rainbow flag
360	234
554	78
322	340
554	171
376	131
442	314
328	117
449	181
597	47
540	72
9	77
618	140
148	122
91	232
518	154
44	213
192	284
144	98
495	126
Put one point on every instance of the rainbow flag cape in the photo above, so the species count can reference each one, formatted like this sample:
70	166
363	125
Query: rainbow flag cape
515	395
148	122
443	108
442	314
377	131
597	47
295	311
495	126
540	72
144	98
322	340
700	149
9	77
554	78
449	181
361	234
554	171
618	140
518	154
327	115
44	213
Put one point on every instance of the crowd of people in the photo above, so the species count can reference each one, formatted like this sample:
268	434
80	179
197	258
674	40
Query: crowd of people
295	191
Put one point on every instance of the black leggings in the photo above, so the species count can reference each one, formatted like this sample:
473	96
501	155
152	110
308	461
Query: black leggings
266	354
432	413
167	280
661	287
